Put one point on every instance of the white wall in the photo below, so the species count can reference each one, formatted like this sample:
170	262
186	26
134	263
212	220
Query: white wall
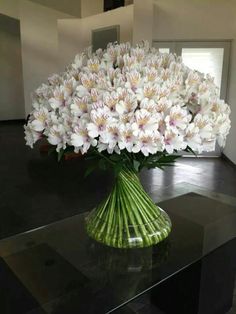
39	45
10	8
71	7
202	20
143	21
91	7
75	34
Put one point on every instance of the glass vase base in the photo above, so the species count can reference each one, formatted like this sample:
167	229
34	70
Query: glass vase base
133	236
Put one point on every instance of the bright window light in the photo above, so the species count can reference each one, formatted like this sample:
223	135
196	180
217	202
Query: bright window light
205	60
164	50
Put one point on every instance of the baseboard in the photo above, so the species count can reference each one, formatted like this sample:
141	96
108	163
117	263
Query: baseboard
223	156
16	121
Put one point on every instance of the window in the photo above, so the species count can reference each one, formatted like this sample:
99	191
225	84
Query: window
205	60
206	57
164	50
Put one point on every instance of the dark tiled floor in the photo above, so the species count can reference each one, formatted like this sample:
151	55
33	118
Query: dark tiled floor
36	190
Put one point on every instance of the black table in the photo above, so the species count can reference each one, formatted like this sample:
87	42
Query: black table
57	269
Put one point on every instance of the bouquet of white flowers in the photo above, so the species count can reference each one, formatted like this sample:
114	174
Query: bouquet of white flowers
129	107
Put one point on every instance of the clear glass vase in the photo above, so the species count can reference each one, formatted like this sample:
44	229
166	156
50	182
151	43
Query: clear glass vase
128	218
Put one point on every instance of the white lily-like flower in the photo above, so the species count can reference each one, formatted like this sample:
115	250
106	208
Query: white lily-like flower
134	80
80	61
178	117
149	91
58	98
31	136
204	125
193	78
163	105
69	87
192	137
126	139
80	138
110	136
148	143
208	145
57	136
151	74
221	128
127	105
79	106
88	80
100	119
40	119
82	91
144	121
93	65
149	105
111	100
55	79
173	141
44	91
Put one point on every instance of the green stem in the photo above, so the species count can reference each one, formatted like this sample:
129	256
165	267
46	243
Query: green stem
128	217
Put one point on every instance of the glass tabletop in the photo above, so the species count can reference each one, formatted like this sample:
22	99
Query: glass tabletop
57	269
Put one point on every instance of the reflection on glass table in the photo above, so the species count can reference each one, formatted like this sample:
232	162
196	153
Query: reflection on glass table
57	269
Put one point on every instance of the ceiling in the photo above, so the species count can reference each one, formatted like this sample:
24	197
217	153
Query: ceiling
72	7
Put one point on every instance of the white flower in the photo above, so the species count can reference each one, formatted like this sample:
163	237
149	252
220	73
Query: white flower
207	146
126	138
79	106
58	98
31	136
163	105
40	119
57	136
149	90
126	105
55	79
148	143
178	117
93	65
128	98
134	80
110	100
192	137
221	128
81	140
69	87
204	125
100	119
144	121
82	91
80	60
88	80
110	136
173	141
193	78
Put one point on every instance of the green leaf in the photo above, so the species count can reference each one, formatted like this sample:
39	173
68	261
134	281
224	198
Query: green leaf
189	150
115	157
117	168
60	154
102	164
160	161
89	170
136	165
